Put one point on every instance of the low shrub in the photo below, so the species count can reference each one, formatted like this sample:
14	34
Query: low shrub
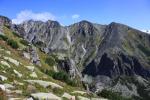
145	50
12	43
50	61
24	42
39	44
8	26
15	34
58	91
3	37
62	76
112	95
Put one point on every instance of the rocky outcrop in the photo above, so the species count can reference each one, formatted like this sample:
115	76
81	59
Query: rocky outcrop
5	21
32	54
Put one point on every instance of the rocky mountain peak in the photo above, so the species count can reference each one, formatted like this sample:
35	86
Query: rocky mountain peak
53	24
5	21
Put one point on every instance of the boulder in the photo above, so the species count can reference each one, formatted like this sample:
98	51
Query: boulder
8	52
45	83
2	87
12	60
33	74
3	78
68	96
45	96
79	92
5	63
31	68
26	55
17	73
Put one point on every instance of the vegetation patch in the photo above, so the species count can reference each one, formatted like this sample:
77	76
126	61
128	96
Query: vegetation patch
24	42
112	95
15	34
3	37
12	43
50	61
62	76
145	50
39	44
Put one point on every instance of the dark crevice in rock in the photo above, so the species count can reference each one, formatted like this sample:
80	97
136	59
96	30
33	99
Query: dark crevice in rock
90	69
125	66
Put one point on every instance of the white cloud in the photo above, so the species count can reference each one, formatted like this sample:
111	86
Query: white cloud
147	31
28	14
75	16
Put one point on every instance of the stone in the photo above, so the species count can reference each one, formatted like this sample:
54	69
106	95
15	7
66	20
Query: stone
12	61
5	64
2	87
3	78
45	83
17	83
31	89
31	68
17	91
33	74
68	96
17	73
45	96
30	98
34	56
79	92
8	86
26	55
8	52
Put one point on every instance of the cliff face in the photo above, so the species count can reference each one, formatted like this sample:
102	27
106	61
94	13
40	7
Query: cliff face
107	53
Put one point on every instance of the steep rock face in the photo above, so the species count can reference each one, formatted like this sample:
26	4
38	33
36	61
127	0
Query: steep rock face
85	40
113	59
48	36
121	65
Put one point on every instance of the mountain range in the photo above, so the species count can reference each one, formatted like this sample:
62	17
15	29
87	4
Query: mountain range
113	58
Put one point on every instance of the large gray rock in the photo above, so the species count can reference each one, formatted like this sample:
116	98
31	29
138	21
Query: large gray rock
45	96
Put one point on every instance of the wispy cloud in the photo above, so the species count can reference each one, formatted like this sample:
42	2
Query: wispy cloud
28	14
75	16
147	31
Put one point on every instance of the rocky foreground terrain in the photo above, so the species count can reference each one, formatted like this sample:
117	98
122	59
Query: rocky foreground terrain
82	61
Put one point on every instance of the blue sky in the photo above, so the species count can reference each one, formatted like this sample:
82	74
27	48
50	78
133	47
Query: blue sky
135	13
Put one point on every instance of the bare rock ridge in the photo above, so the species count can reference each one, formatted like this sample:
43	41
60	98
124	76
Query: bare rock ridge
113	55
